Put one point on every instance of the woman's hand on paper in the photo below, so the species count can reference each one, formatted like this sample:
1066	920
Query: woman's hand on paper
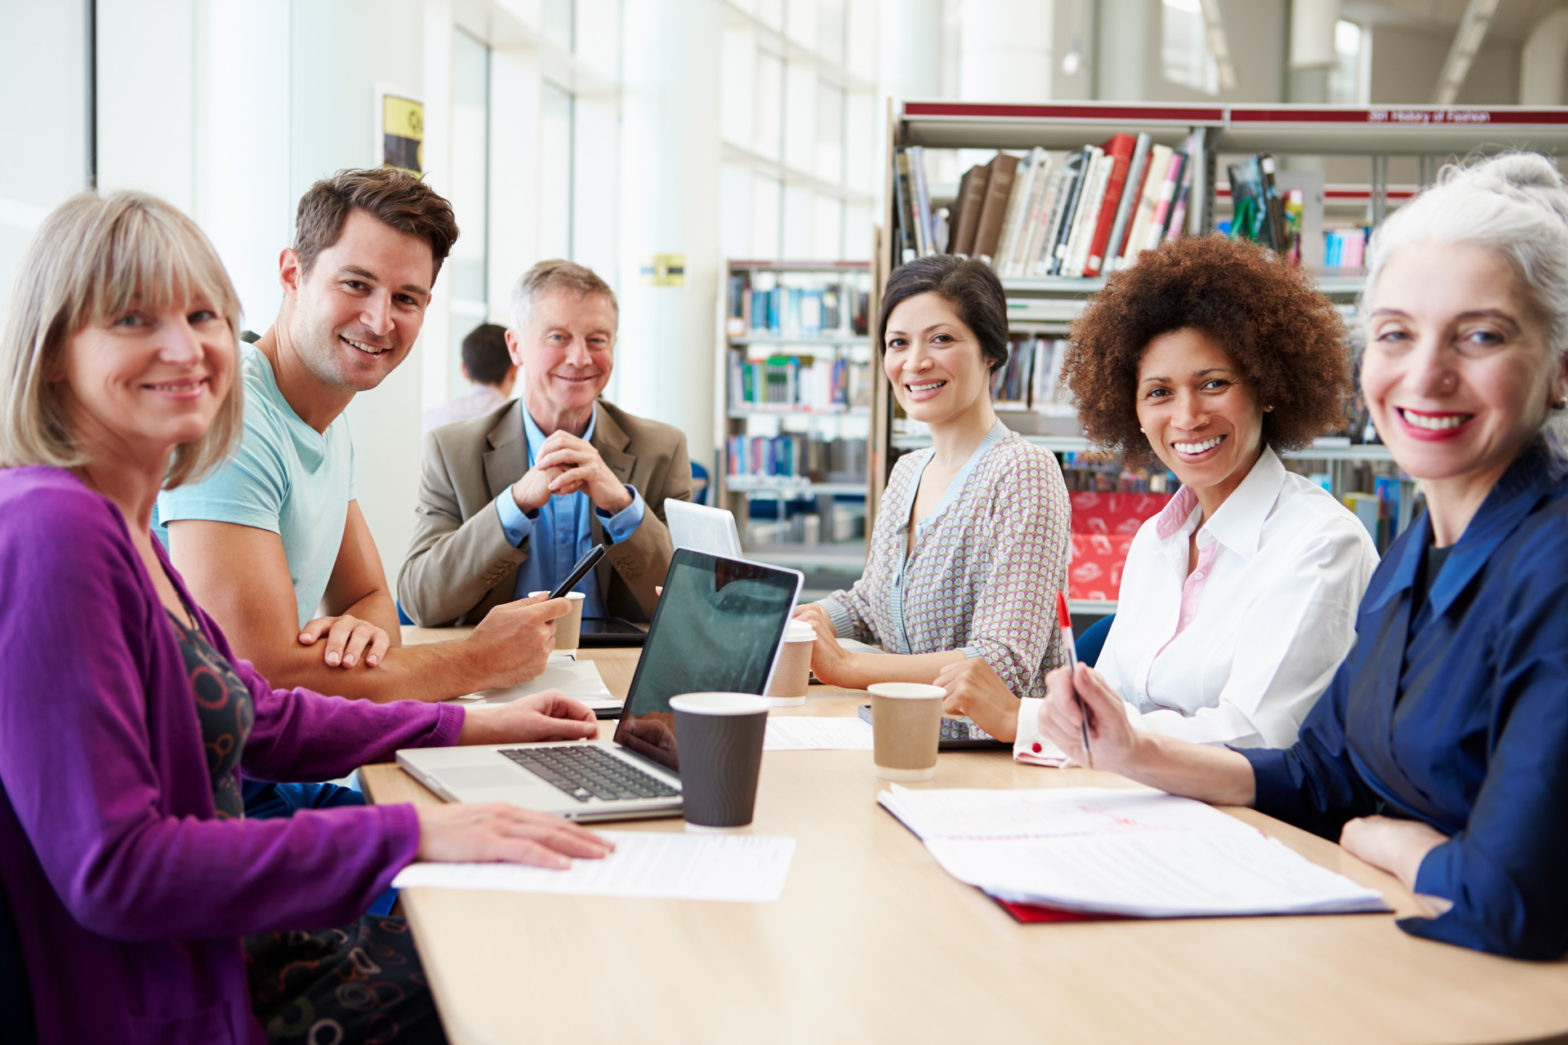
974	689
550	715
498	831
1110	733
349	640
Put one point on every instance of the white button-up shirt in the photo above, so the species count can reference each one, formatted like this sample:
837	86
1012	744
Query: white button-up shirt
1237	651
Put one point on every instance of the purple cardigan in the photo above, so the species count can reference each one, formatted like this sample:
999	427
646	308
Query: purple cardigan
130	897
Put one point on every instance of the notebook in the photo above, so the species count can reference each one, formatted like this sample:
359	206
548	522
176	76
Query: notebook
702	528
718	626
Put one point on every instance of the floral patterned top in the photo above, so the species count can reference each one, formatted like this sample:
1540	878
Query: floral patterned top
984	570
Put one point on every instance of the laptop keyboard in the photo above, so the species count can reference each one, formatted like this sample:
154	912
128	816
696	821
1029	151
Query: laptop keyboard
590	772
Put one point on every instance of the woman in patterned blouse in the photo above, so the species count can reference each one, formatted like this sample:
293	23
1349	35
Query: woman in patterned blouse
971	538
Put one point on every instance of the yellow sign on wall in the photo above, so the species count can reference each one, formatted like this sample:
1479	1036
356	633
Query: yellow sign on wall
402	133
664	270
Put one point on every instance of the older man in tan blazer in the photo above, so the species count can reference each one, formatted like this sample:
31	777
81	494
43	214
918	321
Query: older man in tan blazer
510	499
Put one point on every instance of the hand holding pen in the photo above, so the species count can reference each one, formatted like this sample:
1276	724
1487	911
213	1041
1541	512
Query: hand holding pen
1065	622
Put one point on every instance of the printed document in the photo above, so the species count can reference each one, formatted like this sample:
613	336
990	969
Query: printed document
799	733
1112	851
579	679
738	868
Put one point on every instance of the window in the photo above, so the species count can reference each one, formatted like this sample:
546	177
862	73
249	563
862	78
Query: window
556	183
1184	46
1347	81
465	271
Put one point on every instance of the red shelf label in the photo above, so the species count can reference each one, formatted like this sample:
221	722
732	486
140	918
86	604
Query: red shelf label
1140	113
1405	116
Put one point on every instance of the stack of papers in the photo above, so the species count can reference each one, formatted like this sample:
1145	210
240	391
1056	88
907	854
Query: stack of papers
1136	853
578	679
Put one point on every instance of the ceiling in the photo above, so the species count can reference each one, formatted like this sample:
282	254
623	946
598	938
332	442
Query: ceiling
1512	23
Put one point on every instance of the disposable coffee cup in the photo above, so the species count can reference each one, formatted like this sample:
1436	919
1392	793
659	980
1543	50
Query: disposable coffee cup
792	673
906	723
718	739
568	629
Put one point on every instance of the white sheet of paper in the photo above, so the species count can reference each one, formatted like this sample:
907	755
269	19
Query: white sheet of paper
738	868
798	733
1048	812
579	679
1154	874
1118	851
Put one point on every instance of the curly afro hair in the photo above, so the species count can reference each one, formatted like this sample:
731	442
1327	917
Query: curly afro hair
1285	336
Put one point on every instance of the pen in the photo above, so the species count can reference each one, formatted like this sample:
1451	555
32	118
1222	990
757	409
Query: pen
1065	622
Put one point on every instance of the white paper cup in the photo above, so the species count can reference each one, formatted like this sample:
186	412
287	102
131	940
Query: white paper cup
568	629
792	674
906	724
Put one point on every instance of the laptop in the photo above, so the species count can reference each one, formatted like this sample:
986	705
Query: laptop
718	626
702	528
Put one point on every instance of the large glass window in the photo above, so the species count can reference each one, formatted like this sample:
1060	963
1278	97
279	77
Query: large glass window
465	270
556	183
1184	46
1347	81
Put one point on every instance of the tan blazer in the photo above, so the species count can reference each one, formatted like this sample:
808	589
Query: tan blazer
460	564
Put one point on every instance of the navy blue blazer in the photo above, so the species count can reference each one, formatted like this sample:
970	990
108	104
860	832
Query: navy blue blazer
1455	712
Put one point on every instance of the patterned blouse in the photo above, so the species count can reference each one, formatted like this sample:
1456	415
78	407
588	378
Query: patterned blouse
223	708
985	569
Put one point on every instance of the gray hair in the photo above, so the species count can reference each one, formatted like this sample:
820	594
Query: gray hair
1516	205
555	274
91	259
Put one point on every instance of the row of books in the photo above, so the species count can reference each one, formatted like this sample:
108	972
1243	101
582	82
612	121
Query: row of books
1080	213
1345	248
1105	473
1032	376
796	456
759	306
804	382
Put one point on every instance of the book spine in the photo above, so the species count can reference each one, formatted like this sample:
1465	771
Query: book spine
1088	218
1070	210
925	240
1132	188
1120	149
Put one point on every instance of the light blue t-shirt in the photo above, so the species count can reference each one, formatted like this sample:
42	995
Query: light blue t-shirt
559	532
285	477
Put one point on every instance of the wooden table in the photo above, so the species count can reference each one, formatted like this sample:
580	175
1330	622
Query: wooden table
873	942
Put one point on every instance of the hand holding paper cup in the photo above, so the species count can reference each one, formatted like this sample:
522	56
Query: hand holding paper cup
792	674
568	629
718	738
906	724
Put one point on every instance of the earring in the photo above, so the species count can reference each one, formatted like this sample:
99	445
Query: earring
1268	409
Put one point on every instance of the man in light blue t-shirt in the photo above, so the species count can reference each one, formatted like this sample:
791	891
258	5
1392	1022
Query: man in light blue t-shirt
274	545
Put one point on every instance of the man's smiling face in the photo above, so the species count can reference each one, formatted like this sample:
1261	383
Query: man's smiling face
358	311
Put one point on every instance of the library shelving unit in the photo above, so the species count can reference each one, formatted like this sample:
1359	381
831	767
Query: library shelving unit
1047	305
796	386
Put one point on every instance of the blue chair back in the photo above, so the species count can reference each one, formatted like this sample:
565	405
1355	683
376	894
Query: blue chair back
16	999
699	484
1091	639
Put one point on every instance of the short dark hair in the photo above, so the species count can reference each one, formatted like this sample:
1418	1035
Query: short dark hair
393	197
485	357
968	285
1284	336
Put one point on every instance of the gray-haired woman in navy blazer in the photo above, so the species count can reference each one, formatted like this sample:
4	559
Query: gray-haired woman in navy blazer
1440	751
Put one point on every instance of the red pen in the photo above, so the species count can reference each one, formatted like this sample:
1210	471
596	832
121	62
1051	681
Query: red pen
1065	622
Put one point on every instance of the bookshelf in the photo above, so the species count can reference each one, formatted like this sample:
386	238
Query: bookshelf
796	380
1043	305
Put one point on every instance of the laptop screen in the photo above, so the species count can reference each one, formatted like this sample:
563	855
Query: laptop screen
717	626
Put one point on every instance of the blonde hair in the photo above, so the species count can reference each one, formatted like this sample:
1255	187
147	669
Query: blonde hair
93	259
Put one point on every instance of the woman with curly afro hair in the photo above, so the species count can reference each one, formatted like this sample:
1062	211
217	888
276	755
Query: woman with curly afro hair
1238	600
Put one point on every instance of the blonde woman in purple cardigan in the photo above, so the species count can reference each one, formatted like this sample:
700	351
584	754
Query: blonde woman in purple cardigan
147	906
971	539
